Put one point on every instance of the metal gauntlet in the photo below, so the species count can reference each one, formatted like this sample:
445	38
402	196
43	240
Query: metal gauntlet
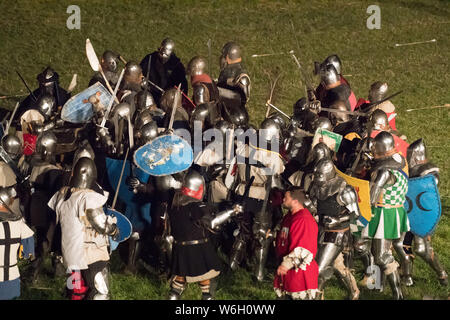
100	222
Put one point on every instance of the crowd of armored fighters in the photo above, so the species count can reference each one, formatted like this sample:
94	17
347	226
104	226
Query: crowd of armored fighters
221	214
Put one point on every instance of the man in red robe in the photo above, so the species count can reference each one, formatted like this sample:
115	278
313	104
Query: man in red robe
296	247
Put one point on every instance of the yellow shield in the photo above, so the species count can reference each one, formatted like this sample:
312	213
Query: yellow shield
363	190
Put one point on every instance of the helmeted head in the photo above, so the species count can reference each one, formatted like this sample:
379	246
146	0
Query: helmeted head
167	99
223	126
335	61
133	73
166	49
122	110
12	145
196	66
142	118
322	123
148	132
377	91
7	195
378	120
324	171
46	145
300	106
416	153
109	61
270	130
318	152
83	151
193	184
339	117
236	115
47	79
278	118
84	174
383	145
46	104
231	53
201	113
144	100
329	75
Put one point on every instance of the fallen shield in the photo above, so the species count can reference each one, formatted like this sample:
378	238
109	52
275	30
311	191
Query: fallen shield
423	205
124	226
164	155
78	109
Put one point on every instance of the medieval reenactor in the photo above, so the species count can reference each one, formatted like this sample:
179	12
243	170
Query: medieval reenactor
164	69
45	179
194	257
321	90
48	84
16	238
85	229
336	90
296	247
233	75
181	117
108	63
389	223
205	93
265	165
337	204
420	166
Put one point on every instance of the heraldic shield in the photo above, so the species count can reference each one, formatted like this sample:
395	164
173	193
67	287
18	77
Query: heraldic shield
124	226
423	205
167	154
78	109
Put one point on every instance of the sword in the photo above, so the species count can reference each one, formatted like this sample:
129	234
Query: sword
372	104
120	179
28	88
111	101
174	106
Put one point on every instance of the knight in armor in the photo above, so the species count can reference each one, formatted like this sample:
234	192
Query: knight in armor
335	88
163	68
15	236
194	257
181	118
321	90
377	92
233	75
296	247
263	162
337	205
85	229
48	85
389	223
420	166
45	179
205	93
108	63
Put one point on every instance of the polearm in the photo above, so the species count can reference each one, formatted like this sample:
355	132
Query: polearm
447	105
324	109
111	101
28	88
12	117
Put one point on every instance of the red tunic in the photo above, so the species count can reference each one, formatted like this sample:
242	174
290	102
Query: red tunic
297	230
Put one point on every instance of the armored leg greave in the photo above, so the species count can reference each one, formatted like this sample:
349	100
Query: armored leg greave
423	248
261	228
405	259
237	253
381	249
326	254
133	252
177	286
101	285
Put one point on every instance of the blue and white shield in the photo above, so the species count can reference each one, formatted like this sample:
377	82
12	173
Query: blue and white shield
124	226
423	205
164	155
78	109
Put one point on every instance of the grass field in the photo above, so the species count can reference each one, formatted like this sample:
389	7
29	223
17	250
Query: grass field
33	34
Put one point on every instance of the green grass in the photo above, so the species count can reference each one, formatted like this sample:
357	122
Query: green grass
33	34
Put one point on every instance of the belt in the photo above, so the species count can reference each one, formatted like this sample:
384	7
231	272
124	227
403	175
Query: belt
191	242
340	230
387	206
253	184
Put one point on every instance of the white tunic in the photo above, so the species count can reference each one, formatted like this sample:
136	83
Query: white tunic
81	245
